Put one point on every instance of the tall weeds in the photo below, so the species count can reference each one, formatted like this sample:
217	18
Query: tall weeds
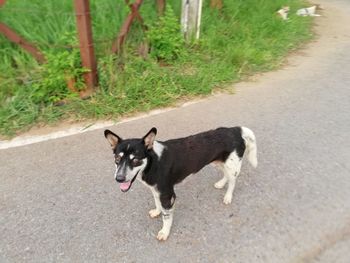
242	38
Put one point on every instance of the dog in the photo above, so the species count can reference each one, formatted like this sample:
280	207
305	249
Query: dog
309	11
162	165
283	12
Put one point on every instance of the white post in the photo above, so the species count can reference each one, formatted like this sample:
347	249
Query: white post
199	17
191	18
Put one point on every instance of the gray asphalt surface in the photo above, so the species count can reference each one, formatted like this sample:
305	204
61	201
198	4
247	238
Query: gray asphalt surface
59	201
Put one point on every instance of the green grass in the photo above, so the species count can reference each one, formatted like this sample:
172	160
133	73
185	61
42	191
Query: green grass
246	37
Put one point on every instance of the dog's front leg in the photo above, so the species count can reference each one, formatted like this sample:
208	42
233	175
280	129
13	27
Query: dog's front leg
155	212
167	216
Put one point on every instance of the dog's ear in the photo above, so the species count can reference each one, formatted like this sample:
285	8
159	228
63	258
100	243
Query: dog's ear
148	139
112	138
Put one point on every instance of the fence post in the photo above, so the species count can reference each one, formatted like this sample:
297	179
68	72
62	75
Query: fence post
191	18
15	38
119	41
160	7
88	60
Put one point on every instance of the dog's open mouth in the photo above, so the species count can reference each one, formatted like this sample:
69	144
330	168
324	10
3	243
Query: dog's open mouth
125	186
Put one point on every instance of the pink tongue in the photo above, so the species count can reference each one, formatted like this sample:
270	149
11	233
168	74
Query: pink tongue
125	186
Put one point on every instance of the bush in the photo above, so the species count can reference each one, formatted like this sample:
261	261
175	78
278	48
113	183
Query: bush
60	67
166	40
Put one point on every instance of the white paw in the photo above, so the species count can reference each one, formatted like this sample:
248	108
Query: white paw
227	199
162	236
219	185
153	213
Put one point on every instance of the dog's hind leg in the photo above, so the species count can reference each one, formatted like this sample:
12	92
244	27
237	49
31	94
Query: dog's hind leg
153	213
233	167
221	183
167	202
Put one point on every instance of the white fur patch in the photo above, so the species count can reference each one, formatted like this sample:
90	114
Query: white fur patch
167	216
116	170
121	154
131	156
130	173
233	164
158	148
251	148
232	167
154	212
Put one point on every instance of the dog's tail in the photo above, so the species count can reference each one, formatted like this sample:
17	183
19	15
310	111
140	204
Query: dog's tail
250	143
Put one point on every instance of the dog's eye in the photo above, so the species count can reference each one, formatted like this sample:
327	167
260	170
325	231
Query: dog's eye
117	159
136	162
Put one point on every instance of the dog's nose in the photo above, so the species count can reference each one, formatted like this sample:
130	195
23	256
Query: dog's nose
120	178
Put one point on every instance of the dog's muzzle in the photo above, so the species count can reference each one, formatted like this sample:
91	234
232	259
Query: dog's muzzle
125	185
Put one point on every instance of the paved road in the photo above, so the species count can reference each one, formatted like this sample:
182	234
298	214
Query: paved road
59	201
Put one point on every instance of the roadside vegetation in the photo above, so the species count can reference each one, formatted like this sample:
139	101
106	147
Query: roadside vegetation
243	38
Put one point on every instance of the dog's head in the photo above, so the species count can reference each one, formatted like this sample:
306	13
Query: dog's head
130	156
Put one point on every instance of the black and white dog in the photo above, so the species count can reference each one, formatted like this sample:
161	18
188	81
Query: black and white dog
161	165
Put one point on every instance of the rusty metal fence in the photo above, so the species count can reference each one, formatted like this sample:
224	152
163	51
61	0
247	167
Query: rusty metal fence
84	34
